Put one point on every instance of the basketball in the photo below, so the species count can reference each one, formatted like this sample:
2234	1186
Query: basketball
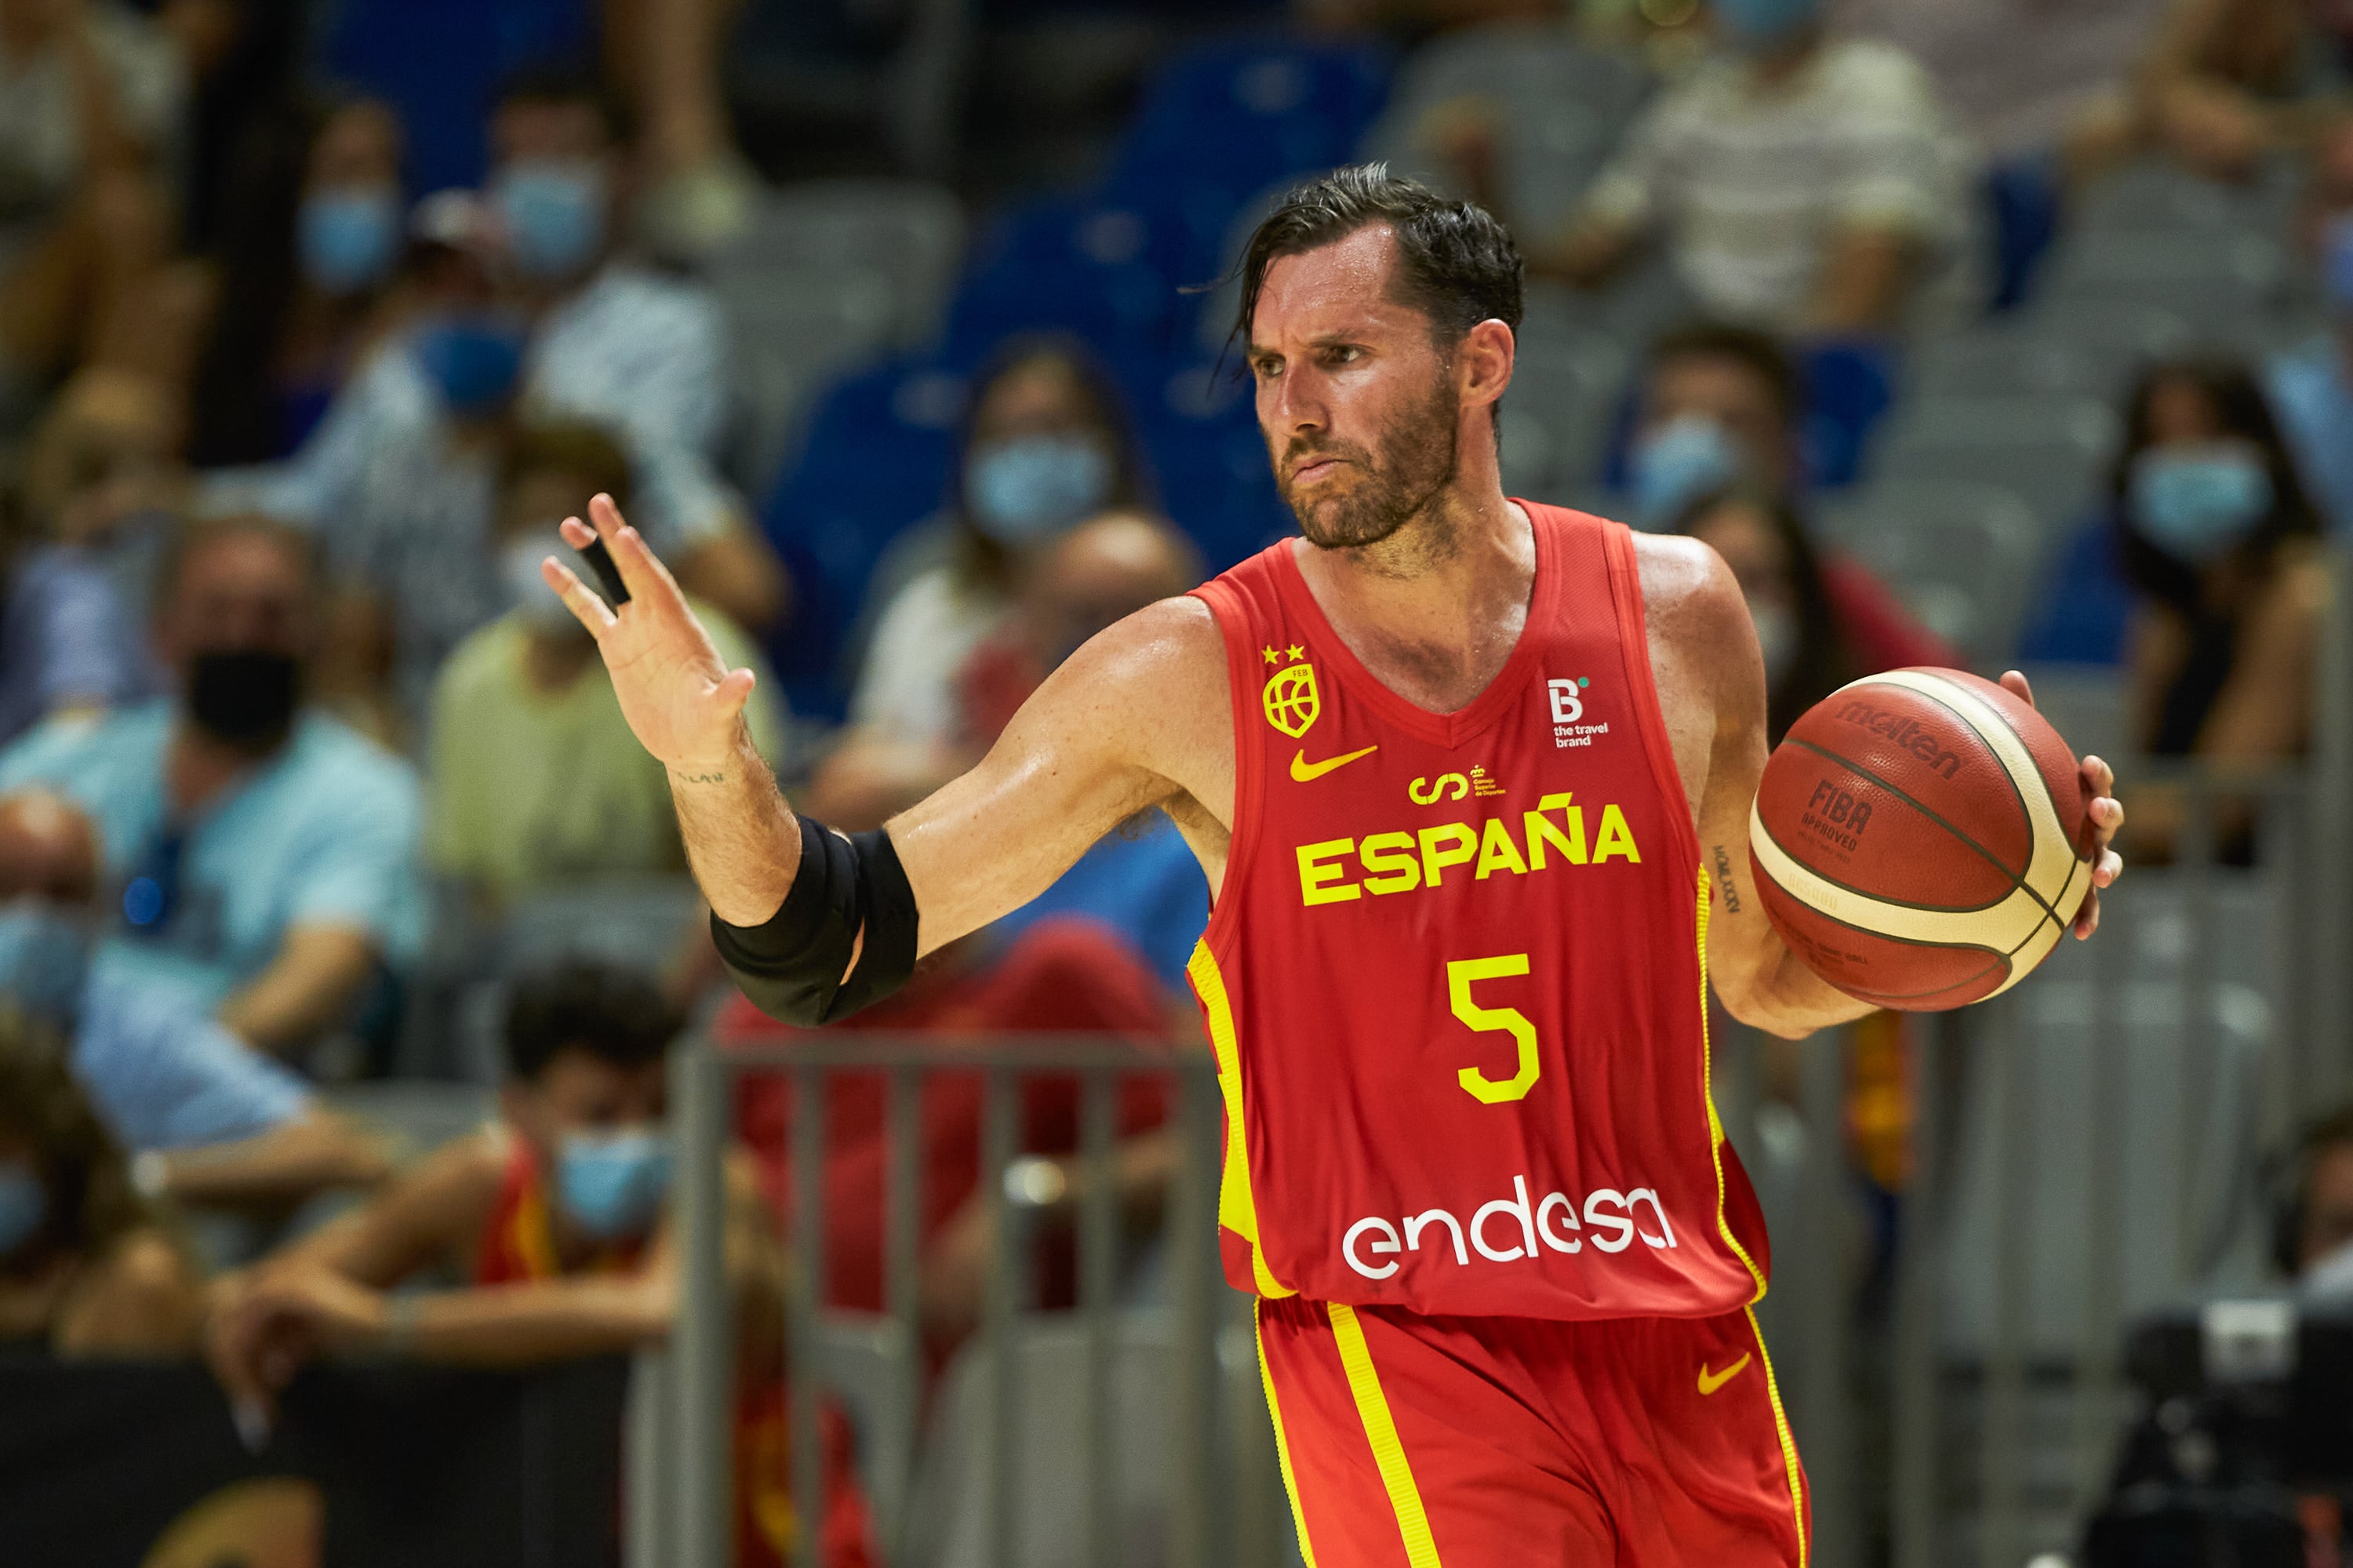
1920	838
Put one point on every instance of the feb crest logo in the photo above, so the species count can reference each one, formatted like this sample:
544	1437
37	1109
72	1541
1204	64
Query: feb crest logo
1290	698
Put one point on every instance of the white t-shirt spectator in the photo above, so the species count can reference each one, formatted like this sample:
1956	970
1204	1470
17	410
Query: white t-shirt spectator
2017	74
639	352
1750	184
907	687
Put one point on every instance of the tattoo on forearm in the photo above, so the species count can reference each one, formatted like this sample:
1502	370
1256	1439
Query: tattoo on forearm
1724	881
700	778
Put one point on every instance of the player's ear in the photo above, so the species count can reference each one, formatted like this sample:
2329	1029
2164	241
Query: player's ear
1483	362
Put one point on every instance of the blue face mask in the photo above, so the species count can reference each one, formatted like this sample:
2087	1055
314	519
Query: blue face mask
555	214
1751	25
473	361
1676	464
2196	502
612	1183
24	1205
44	960
348	237
2336	262
1032	487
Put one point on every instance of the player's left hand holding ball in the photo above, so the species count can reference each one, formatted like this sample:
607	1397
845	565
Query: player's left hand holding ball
1923	838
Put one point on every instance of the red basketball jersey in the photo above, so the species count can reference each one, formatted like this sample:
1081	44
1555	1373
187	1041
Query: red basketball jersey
1456	978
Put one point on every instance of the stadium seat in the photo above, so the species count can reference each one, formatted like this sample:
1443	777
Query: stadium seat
1567	383
2048	450
874	462
1104	269
2157	194
1199	424
2213	277
864	1361
1964	555
910	232
1561	106
1225	120
2186	1122
950	1513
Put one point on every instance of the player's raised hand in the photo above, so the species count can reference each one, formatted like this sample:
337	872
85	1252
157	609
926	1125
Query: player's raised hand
2105	812
681	700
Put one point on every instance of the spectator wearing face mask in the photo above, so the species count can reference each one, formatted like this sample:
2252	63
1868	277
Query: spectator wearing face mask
311	238
556	1219
2219	547
1801	183
2311	385
1720	405
211	1121
535	779
86	1269
1046	445
553	323
263	852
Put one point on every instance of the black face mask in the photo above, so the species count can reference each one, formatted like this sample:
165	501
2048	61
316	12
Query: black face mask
244	698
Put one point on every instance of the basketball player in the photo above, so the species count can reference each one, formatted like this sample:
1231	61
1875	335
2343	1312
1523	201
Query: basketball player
1469	777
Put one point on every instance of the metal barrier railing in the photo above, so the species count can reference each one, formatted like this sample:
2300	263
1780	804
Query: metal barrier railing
1207	1500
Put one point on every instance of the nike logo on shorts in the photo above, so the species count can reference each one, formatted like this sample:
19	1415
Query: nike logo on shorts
1303	770
1710	1382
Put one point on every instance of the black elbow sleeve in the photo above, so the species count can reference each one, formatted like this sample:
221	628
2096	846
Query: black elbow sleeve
791	965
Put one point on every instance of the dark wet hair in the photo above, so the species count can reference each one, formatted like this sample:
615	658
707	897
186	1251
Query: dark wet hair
616	1014
2242	410
1456	262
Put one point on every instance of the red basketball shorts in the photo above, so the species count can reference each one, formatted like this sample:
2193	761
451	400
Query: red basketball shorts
1413	1442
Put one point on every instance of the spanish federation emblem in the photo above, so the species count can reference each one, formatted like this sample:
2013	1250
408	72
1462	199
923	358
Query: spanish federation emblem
1292	703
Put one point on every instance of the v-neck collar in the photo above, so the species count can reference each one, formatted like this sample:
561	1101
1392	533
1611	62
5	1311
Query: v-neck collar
1451	729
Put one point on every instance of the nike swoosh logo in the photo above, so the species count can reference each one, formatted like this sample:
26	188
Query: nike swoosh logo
1303	770
1710	1382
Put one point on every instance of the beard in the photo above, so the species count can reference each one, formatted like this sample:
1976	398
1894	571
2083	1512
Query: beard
1413	462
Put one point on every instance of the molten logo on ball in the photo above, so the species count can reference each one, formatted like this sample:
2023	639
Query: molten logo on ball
1903	730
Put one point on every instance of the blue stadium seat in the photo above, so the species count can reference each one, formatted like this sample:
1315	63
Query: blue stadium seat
875	462
1198	423
1105	270
1224	121
440	62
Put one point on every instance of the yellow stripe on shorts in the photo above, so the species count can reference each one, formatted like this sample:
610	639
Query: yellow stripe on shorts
1388	1453
1281	1441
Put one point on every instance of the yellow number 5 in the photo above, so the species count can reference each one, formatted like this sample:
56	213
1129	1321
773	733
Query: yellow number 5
1460	975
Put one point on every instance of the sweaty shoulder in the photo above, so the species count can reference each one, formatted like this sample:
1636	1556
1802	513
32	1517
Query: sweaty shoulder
1691	601
1153	687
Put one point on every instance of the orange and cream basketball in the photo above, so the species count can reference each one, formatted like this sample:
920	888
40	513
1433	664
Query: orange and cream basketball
1920	838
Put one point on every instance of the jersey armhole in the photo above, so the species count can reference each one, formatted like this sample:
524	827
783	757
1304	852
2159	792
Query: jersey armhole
1232	615
1634	651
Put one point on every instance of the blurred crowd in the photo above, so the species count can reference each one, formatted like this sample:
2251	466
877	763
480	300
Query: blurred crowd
299	373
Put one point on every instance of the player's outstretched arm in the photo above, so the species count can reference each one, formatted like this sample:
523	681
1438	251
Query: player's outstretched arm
686	707
1139	717
1760	981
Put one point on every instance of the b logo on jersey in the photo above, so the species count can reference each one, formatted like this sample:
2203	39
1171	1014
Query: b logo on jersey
1566	699
1291	699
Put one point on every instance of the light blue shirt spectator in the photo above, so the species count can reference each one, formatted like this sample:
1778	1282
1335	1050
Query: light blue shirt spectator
1148	888
64	640
2314	403
642	354
325	833
162	1077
